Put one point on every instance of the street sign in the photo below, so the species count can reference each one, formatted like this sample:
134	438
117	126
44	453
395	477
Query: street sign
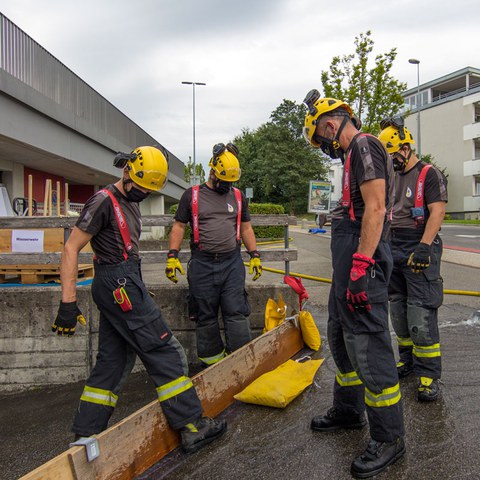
319	196
249	192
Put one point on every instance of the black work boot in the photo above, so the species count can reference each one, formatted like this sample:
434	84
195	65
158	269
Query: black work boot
428	389
201	432
335	420
404	369
377	457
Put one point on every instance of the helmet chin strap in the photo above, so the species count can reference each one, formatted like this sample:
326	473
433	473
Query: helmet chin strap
402	165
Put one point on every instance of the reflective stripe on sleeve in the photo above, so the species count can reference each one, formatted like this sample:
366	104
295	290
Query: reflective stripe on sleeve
173	388
386	398
430	351
99	396
349	379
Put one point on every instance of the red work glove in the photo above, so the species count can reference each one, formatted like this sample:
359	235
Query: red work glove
357	297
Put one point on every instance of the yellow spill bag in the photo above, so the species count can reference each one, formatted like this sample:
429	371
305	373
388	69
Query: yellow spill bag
280	386
275	313
310	333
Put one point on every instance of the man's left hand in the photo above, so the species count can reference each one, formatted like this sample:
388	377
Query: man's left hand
357	290
419	259
255	265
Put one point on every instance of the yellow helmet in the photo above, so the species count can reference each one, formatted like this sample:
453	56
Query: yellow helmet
148	168
316	108
225	162
394	134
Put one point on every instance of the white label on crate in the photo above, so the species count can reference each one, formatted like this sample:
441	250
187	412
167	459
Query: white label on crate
27	241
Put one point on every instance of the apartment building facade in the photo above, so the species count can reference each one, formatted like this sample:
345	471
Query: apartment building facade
447	111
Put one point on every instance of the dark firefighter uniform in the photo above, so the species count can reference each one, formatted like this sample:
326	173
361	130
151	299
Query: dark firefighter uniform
360	342
216	274
415	297
141	331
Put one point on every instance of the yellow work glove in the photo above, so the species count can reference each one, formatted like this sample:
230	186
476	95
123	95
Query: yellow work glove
255	265
67	317
419	259
173	264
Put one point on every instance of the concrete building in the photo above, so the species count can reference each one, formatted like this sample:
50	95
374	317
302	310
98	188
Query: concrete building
54	126
447	110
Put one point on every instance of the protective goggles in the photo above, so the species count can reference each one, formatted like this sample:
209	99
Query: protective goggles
219	148
310	99
396	122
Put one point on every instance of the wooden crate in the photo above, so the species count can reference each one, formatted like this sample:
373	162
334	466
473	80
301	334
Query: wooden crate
31	274
53	240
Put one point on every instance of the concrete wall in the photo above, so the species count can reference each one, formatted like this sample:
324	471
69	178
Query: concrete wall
31	355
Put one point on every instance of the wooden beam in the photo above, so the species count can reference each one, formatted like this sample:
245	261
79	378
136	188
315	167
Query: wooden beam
147	221
139	441
148	257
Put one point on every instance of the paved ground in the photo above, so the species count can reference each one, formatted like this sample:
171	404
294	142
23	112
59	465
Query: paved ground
263	443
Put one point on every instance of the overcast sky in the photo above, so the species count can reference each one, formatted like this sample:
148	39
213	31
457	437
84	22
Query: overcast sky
252	54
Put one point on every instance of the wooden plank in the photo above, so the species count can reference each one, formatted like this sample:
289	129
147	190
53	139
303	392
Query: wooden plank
148	257
139	441
31	274
147	221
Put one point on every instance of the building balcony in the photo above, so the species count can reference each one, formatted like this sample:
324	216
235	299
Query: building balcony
471	131
471	204
471	167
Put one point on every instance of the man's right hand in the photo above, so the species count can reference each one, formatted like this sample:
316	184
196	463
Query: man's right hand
173	264
67	317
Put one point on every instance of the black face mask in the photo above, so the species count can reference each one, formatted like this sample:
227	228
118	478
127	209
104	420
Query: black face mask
221	187
135	195
399	164
331	146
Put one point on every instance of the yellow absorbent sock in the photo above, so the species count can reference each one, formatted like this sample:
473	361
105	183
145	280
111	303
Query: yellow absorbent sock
310	333
275	313
282	385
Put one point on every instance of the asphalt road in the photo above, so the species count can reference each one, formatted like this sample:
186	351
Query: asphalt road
461	236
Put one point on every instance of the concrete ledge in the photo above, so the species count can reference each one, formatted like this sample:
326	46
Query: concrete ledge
31	355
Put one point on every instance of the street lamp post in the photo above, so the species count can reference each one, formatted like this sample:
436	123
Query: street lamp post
194	164
416	62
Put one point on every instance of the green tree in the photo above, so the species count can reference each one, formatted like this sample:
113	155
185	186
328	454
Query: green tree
277	162
372	92
188	171
428	158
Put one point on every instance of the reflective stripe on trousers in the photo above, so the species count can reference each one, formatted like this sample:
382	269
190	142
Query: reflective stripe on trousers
213	359
173	388
99	396
349	379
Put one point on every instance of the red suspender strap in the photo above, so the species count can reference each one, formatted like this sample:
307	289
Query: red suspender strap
196	233
121	222
238	198
195	224
420	191
346	199
346	191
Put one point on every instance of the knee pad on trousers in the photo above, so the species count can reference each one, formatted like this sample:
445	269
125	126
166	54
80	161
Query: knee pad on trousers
422	325
399	318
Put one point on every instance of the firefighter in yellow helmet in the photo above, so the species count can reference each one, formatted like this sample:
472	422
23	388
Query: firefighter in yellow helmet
220	220
358	331
416	287
130	322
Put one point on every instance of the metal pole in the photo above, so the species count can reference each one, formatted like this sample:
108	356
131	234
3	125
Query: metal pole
419	139
194	156
416	62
